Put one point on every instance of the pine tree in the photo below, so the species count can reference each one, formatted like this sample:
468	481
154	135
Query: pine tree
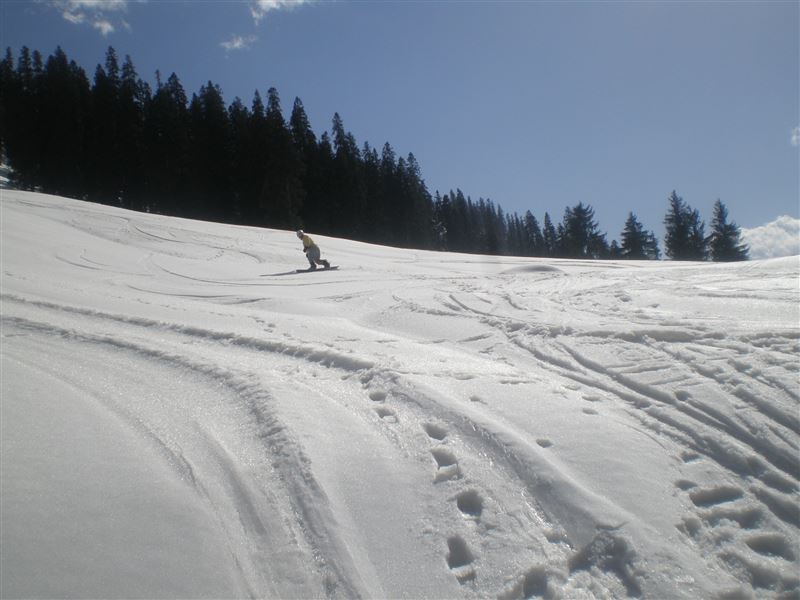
489	227
677	239
167	140
516	239
698	243
210	156
442	212
134	96
581	237
347	188
25	131
461	232
550	238
685	239
725	240
8	89
253	148
307	157
319	213
419	216
637	243
534	241
375	214
389	203
242	146
64	111
282	193
105	143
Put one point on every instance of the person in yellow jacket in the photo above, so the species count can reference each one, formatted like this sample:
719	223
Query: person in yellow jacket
312	252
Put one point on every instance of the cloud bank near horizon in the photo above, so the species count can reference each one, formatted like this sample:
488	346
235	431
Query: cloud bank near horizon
781	237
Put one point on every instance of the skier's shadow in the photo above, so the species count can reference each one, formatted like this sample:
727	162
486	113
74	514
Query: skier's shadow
292	272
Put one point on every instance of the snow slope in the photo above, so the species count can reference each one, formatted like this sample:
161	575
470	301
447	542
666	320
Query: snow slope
185	416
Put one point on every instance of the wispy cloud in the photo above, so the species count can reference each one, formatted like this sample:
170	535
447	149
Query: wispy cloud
102	15
239	42
104	26
76	18
260	8
781	237
795	136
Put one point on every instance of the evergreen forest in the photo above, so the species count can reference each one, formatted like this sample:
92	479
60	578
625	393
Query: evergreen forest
117	140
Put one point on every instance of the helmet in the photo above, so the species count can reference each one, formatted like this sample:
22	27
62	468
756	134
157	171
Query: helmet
300	233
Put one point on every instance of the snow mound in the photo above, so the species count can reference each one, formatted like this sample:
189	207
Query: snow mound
537	268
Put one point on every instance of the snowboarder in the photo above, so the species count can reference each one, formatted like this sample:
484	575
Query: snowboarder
312	252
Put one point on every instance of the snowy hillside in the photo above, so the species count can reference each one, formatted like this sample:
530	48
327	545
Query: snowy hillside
185	416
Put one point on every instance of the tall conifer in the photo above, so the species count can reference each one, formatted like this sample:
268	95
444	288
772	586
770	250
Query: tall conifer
638	243
685	238
725	240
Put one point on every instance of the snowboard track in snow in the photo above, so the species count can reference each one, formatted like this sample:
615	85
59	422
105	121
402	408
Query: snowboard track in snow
757	444
304	493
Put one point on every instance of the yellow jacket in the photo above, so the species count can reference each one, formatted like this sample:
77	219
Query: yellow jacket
307	242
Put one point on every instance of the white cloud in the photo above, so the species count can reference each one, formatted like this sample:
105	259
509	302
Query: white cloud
98	4
796	136
239	42
76	18
781	237
103	26
260	8
100	14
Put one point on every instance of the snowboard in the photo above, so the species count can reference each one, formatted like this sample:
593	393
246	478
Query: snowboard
331	268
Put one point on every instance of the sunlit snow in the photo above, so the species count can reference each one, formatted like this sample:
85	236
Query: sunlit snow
183	415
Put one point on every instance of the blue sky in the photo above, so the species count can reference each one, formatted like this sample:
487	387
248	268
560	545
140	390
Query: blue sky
534	105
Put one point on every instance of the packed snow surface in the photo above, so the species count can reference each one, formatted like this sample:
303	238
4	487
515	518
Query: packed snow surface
184	415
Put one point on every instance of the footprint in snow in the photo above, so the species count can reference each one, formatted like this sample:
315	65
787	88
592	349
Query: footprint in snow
470	503
771	544
446	465
387	414
459	559
544	442
590	411
711	496
612	554
377	396
434	431
685	484
537	582
689	457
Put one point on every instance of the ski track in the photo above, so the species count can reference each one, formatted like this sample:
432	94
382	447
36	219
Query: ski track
505	516
755	439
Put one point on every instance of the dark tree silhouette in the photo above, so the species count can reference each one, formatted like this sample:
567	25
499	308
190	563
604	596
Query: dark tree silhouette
581	237
725	240
685	239
637	243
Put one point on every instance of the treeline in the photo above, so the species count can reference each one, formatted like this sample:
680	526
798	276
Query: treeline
116	140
